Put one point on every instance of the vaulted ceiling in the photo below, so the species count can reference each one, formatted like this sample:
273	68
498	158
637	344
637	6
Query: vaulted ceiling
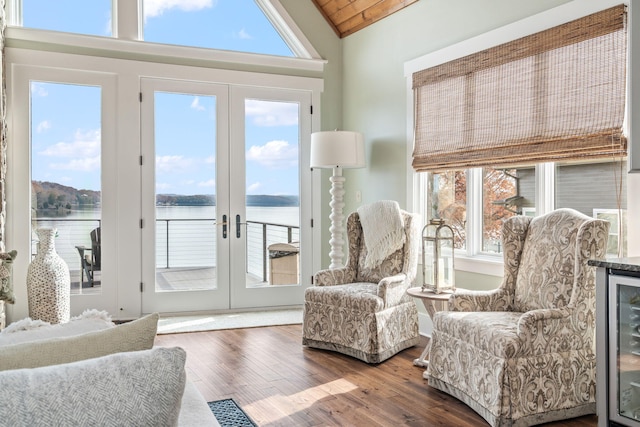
348	16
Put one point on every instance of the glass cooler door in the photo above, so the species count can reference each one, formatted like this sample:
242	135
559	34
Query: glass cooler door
624	347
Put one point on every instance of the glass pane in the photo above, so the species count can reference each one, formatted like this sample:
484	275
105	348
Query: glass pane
505	193
237	25
447	199
185	146
628	327
71	16
597	190
66	175
273	183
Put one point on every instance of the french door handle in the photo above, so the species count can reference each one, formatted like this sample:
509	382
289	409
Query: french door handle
238	226
224	226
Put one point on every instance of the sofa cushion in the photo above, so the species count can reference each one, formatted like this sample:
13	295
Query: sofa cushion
27	330
495	332
142	388
356	296
132	336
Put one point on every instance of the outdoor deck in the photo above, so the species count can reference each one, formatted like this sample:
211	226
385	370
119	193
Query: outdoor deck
167	279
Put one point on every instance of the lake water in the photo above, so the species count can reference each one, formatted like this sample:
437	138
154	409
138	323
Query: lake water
184	243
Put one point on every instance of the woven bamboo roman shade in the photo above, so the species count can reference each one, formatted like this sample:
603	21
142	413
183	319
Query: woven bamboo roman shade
555	95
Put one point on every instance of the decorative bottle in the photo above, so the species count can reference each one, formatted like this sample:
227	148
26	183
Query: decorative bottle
48	282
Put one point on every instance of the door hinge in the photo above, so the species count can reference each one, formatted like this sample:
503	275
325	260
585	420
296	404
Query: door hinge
140	96
311	109
141	287
140	160
311	222
141	223
312	280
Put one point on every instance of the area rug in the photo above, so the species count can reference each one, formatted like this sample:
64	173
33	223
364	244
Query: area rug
179	324
229	414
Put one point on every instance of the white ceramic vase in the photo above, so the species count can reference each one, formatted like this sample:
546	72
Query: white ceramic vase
48	282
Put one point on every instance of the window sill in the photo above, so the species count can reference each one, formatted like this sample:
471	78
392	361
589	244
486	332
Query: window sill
29	38
481	264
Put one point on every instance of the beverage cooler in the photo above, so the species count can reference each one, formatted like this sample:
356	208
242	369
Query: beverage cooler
624	350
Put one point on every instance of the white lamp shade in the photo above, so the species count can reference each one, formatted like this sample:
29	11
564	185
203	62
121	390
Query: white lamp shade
337	148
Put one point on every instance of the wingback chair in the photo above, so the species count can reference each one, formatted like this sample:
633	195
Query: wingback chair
524	353
365	312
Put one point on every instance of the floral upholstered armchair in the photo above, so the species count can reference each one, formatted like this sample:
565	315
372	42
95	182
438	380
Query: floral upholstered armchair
361	311
524	354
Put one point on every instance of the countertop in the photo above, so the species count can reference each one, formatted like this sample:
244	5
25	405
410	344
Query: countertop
622	264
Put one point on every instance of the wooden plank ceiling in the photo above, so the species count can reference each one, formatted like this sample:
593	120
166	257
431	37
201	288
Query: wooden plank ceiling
348	16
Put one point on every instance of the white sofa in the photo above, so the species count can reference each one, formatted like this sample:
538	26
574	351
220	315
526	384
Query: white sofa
91	372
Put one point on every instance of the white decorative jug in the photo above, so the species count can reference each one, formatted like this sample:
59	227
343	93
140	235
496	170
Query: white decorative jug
48	282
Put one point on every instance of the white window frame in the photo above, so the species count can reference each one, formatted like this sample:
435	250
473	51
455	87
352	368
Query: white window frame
472	259
127	42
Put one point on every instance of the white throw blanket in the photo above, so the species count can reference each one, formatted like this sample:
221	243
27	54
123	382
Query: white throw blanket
383	230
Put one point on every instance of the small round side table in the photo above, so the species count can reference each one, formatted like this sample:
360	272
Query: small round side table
432	303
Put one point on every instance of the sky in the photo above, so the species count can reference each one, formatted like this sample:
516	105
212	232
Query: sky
66	137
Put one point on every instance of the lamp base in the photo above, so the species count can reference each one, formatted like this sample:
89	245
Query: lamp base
337	228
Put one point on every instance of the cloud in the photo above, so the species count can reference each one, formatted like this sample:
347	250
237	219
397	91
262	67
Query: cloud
163	186
254	187
38	89
85	145
274	154
158	7
242	34
108	26
43	126
211	160
196	104
270	113
210	183
169	164
87	164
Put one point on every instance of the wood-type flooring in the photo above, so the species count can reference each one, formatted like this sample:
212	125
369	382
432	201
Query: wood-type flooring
278	382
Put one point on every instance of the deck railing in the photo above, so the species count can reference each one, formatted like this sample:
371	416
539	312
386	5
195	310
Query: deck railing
180	243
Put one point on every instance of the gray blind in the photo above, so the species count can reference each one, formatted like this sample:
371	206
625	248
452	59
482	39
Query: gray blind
555	95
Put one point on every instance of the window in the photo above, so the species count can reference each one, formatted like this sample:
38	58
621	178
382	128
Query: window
598	190
71	16
533	128
249	26
237	25
501	199
447	199
589	188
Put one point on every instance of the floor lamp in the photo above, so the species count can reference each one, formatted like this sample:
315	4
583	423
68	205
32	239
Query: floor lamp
337	150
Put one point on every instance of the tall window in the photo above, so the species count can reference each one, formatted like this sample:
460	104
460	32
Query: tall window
66	172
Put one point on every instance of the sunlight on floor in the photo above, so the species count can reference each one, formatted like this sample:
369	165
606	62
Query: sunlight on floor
301	400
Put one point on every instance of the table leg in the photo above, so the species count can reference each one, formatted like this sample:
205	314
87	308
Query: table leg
432	308
422	360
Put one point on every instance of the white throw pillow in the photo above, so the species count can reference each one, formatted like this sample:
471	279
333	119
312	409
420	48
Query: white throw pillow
132	336
27	330
142	388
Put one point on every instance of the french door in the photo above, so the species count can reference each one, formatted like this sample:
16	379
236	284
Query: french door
222	184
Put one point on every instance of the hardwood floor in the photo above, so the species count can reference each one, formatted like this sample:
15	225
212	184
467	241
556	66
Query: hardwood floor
278	382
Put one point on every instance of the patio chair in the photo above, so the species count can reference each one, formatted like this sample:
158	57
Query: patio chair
90	258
